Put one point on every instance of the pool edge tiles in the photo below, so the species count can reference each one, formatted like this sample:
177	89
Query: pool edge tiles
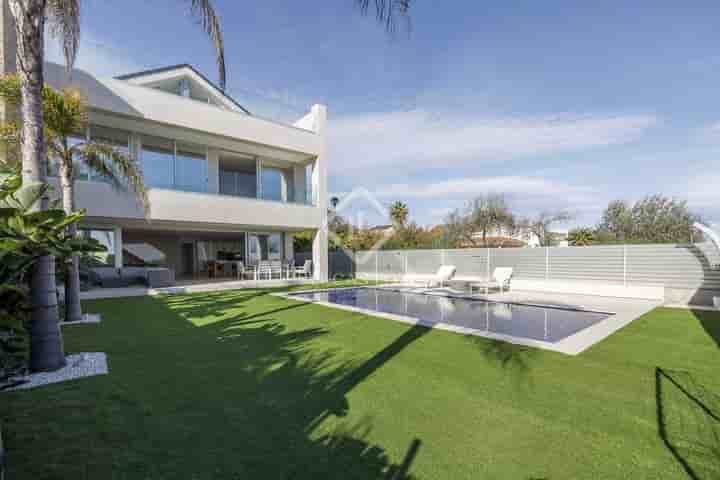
624	311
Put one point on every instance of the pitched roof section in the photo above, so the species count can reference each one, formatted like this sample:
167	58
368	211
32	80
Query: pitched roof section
152	74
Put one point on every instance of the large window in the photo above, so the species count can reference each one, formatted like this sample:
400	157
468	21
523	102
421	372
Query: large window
180	166
242	184
191	168
265	247
272	184
158	155
107	239
118	139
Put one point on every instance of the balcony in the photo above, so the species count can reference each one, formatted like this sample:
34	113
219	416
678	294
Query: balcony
104	202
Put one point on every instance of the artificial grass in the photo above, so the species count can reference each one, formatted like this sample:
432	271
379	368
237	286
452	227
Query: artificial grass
242	384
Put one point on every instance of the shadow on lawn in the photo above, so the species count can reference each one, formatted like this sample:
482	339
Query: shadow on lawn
710	322
688	417
247	396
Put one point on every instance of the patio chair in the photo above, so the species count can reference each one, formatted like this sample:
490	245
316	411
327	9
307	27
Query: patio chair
500	279
242	271
276	269
444	274
305	270
264	269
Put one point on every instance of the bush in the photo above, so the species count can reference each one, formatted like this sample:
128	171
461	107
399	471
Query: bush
13	334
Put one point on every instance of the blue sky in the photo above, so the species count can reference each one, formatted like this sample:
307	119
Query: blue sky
555	104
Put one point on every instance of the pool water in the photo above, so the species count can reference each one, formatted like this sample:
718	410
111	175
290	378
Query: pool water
547	324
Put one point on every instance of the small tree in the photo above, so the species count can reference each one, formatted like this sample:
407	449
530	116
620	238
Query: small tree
540	226
490	214
581	237
616	221
653	219
457	231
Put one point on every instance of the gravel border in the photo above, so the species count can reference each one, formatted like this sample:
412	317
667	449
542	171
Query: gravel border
79	365
87	318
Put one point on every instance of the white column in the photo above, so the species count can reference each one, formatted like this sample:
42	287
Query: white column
258	177
118	248
213	170
289	247
319	185
299	180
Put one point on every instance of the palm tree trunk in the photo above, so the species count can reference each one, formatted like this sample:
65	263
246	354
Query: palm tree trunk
73	309
46	345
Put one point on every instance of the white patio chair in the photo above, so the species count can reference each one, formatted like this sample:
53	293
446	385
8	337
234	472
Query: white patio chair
500	279
276	269
264	269
444	274
305	270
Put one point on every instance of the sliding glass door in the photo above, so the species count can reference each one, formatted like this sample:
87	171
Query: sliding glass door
265	247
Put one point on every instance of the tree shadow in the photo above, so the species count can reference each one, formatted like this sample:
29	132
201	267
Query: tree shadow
514	360
688	417
247	396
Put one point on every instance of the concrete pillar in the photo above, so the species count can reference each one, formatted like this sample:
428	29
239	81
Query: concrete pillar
118	247
213	170
300	179
289	247
319	185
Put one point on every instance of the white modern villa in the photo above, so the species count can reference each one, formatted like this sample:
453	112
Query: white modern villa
225	185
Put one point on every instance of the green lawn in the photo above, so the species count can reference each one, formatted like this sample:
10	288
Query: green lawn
244	385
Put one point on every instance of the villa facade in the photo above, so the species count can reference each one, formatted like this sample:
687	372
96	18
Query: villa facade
225	185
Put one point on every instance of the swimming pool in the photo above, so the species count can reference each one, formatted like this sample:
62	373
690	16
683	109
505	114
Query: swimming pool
493	319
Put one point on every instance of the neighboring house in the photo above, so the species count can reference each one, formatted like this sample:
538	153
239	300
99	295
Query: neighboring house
519	238
224	184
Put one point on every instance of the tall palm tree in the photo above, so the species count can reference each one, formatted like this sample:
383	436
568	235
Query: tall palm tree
66	118
46	348
399	213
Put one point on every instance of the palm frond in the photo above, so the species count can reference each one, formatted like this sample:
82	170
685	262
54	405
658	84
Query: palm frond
65	112
64	21
388	12
211	24
121	170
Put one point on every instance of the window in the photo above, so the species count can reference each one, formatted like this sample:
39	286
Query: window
107	239
191	168
158	155
265	247
272	184
118	139
242	184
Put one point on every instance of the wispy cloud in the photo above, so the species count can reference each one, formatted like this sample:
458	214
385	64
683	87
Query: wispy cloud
420	138
96	55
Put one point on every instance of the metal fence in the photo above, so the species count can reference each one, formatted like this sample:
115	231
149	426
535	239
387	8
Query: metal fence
671	265
340	263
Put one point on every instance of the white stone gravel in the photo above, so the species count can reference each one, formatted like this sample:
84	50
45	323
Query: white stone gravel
79	365
87	318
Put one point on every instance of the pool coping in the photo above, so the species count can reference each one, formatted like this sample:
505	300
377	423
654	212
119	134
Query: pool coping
571	345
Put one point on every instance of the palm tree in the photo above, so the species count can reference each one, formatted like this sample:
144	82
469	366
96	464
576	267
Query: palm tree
46	348
399	213
66	116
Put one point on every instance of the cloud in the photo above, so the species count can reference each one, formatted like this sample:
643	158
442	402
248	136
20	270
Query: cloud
420	138
703	192
96	55
527	195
